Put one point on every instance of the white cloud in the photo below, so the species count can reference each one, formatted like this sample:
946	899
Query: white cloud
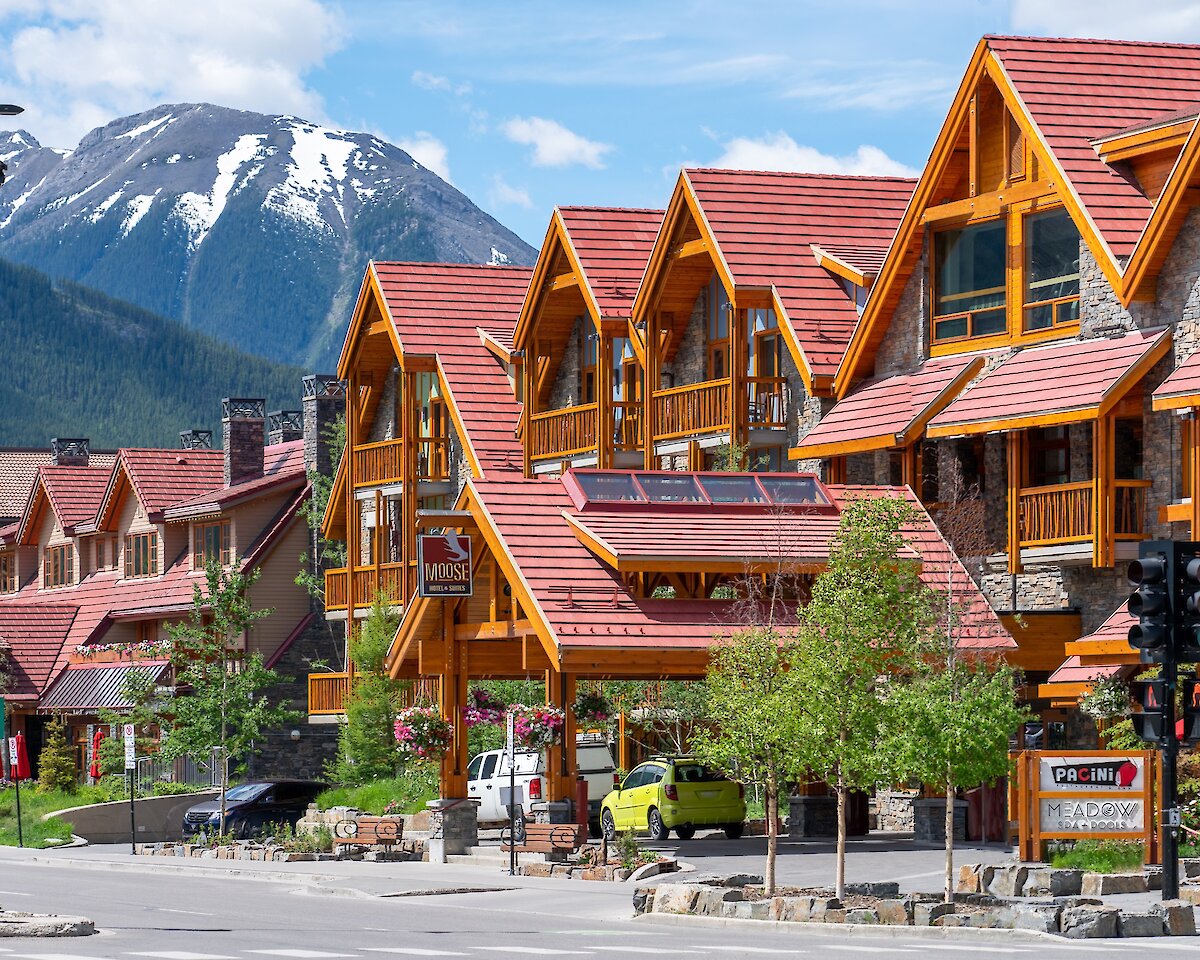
1163	20
429	152
554	145
778	151
74	63
503	194
431	81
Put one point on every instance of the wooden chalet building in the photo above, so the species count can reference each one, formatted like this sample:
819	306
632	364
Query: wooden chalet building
1033	330
106	553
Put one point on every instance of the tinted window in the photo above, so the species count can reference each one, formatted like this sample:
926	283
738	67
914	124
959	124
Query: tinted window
489	765
655	774
696	773
290	792
247	791
794	489
608	487
664	488
526	763
637	778
732	490
473	768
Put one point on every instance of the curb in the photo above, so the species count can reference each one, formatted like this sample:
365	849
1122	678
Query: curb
801	927
44	926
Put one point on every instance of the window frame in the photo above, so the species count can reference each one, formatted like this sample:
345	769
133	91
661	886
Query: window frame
1055	303
8	573
200	555
969	315
58	566
132	542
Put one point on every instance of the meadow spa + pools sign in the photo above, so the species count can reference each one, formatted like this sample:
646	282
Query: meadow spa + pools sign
1092	795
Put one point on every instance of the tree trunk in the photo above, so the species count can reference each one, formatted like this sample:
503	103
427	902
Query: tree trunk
949	887
772	811
840	883
224	730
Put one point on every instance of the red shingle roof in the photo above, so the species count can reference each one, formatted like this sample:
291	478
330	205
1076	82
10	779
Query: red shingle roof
34	635
765	224
18	470
1182	387
283	464
890	411
436	310
1072	671
162	478
1080	90
1077	378
613	245
74	492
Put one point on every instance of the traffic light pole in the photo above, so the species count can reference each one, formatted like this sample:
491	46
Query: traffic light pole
1168	827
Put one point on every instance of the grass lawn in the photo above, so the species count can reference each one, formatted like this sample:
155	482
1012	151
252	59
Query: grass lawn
35	804
407	794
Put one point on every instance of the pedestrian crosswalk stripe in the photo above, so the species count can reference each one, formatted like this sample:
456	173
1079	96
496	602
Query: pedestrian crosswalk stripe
865	949
298	954
537	951
739	948
613	948
415	951
182	955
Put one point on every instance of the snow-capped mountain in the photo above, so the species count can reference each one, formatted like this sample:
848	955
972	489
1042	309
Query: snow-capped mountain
253	228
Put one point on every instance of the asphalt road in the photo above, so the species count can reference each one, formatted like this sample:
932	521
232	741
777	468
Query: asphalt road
366	913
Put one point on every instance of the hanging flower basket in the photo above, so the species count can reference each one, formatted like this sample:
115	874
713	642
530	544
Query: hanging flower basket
422	733
592	708
538	727
482	707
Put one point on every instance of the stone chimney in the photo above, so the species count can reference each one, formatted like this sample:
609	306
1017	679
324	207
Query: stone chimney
243	423
69	451
195	440
284	426
324	401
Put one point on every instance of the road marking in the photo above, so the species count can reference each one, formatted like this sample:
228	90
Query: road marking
54	956
864	949
974	948
623	949
13	893
741	949
182	955
298	954
190	913
538	951
415	951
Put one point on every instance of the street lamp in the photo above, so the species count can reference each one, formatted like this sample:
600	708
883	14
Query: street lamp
7	110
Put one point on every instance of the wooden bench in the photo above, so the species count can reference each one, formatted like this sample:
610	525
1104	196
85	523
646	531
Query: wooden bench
383	832
553	838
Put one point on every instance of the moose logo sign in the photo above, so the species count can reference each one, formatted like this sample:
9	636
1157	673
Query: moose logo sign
444	565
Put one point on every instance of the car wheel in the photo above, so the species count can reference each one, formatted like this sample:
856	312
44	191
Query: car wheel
685	831
240	829
608	826
659	831
734	830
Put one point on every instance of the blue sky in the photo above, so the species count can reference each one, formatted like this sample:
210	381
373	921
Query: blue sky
523	105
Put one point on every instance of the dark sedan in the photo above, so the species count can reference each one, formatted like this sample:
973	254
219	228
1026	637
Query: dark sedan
250	808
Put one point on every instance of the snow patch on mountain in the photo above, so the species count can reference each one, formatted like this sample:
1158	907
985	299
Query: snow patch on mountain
104	206
147	127
137	208
198	211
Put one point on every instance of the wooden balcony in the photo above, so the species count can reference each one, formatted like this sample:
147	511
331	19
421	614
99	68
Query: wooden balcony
562	433
389	578
433	465
627	425
1063	513
766	402
378	463
692	409
327	693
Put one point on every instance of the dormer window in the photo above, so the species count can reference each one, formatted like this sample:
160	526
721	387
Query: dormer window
8	573
141	555
855	292
210	541
58	567
1051	270
969	281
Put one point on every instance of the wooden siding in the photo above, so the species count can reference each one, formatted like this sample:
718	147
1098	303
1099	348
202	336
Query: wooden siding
277	589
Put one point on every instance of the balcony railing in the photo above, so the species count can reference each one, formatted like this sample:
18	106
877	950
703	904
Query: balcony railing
627	425
432	462
391	582
377	463
327	693
1130	509
1062	513
562	433
691	409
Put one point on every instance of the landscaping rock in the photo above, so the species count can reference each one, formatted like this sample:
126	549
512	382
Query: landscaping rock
1178	917
1141	925
1153	874
1106	884
1008	881
643	900
926	914
17	924
709	900
1189	892
1049	882
1082	923
968	879
676	898
821	908
1190	867
862	915
887	888
741	880
1044	919
895	913
747	909
835	916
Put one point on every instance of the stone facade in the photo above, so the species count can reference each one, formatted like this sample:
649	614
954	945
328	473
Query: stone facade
689	364
384	426
568	382
906	343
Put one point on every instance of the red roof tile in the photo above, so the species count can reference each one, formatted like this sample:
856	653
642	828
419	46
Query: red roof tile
867	260
162	478
1074	377
585	603
612	245
74	492
890	411
1080	90
283	464
18	470
34	635
1182	387
436	310
1072	671
765	224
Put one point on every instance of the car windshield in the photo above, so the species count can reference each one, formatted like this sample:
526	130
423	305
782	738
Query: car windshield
696	773
246	791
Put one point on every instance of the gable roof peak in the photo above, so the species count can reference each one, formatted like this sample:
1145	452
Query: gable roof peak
798	175
1092	40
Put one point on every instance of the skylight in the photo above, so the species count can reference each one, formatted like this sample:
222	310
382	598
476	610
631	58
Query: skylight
633	487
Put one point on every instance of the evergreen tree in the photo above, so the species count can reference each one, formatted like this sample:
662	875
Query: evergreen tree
56	765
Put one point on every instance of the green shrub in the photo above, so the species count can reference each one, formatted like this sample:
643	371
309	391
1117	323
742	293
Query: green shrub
56	767
627	850
407	793
1100	856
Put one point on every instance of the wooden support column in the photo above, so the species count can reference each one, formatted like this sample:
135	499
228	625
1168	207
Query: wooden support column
910	473
622	743
1192	428
557	771
377	543
738	415
1103	492
353	517
604	402
409	453
453	698
1015	440
653	376
529	401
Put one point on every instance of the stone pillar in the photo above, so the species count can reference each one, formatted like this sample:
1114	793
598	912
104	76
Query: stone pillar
812	816
243	423
929	820
284	426
453	828
324	401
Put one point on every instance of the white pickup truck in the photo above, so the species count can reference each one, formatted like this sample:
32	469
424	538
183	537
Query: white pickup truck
488	781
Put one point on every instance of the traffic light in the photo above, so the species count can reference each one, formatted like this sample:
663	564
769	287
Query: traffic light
1187	617
1153	576
1150	722
1191	709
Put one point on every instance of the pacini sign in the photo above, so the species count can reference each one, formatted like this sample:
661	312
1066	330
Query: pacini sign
1084	774
444	565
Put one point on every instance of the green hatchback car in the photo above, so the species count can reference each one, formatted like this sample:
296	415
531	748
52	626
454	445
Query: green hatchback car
674	793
